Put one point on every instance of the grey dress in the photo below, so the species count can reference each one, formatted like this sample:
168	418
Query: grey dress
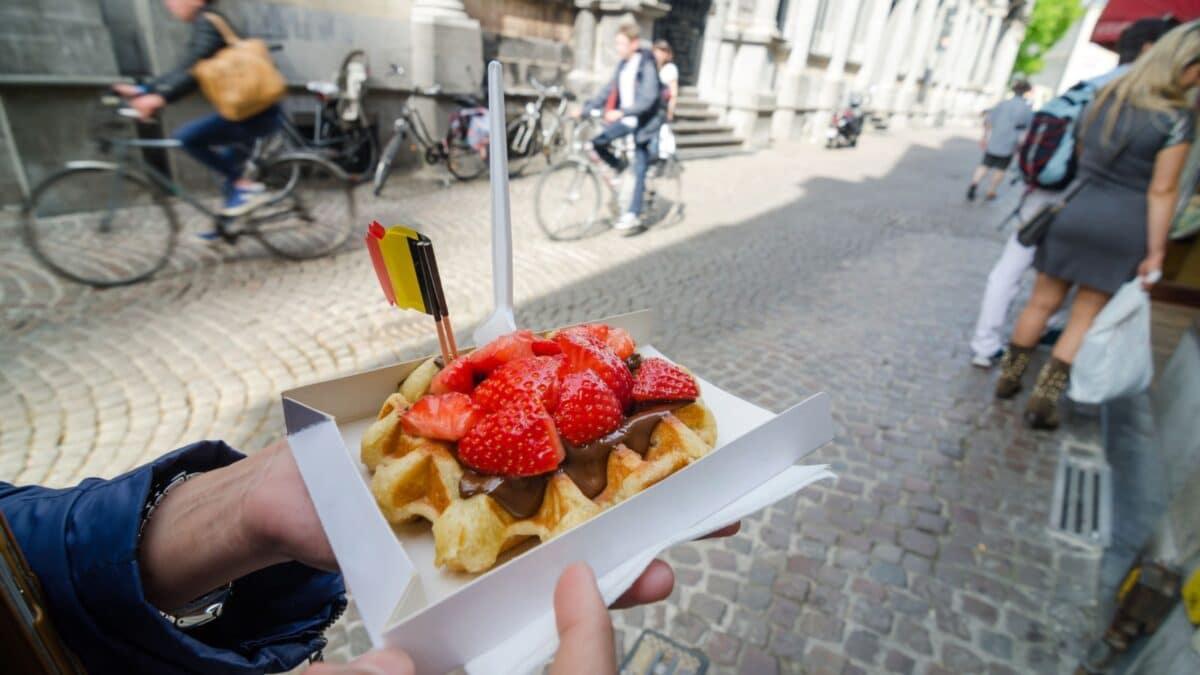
1099	238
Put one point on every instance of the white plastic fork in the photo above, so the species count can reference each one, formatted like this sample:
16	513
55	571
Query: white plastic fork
501	320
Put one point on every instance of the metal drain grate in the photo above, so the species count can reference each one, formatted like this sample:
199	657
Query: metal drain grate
1082	507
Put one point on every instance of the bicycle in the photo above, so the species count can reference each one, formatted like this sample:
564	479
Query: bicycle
569	198
538	131
341	130
111	223
464	161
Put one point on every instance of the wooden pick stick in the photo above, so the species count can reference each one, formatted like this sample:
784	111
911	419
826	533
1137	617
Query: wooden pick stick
450	336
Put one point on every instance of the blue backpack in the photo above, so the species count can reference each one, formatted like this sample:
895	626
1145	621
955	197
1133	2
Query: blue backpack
1046	157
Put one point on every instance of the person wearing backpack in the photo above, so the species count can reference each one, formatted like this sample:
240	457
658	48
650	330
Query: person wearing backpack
1047	160
207	139
1133	141
1002	130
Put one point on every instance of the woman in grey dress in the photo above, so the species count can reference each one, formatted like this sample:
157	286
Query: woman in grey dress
1133	141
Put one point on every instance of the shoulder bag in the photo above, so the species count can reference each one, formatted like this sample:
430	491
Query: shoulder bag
239	80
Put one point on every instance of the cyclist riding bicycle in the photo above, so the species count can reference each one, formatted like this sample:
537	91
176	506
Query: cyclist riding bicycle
212	139
668	73
633	104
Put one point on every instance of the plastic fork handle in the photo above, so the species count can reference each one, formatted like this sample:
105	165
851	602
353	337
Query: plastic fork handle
502	281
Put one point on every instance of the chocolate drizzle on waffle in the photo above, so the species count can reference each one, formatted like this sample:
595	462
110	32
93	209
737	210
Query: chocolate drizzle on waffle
586	466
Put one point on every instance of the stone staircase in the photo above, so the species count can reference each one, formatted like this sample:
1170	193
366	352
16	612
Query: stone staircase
698	131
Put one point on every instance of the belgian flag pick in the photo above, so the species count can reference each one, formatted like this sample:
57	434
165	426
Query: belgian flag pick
407	270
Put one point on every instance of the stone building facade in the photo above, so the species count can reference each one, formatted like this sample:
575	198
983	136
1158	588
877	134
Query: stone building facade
757	70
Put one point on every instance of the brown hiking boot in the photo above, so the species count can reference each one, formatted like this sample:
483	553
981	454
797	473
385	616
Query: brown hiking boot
1042	409
1012	368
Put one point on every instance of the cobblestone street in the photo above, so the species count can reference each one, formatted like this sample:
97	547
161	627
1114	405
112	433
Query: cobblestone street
796	270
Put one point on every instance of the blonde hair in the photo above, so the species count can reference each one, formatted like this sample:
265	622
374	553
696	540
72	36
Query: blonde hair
1152	82
630	30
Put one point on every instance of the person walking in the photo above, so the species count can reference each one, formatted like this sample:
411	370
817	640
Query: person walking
1133	142
210	140
1004	281
1002	131
637	109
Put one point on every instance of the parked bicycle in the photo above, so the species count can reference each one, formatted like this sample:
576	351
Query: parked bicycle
539	132
341	129
112	222
571	196
462	159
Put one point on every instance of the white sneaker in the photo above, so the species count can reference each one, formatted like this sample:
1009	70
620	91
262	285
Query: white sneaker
627	223
981	361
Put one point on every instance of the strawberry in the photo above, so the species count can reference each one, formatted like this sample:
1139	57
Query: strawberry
545	347
518	440
621	342
595	330
587	408
660	380
446	417
511	347
537	376
585	352
458	376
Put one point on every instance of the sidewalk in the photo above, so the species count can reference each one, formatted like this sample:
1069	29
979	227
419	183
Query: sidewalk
797	270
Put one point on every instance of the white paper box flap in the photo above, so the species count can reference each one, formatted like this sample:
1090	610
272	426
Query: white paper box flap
376	568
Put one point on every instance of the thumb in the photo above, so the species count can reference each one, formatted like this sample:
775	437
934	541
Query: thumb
380	662
585	634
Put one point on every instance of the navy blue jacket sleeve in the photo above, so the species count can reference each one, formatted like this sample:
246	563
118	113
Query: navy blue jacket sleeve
648	93
82	544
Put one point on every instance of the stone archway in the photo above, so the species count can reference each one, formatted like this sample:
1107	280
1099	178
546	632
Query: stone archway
683	27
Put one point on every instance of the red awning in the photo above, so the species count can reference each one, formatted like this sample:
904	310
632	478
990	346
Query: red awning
1118	14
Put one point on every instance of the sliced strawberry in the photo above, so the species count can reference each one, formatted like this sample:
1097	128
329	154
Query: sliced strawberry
511	347
621	342
545	347
598	331
518	440
446	417
537	376
458	376
587	408
584	352
661	380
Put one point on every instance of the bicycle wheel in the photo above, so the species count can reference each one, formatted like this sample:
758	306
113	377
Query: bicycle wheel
309	220
558	138
384	167
568	199
358	152
100	226
662	203
464	161
524	143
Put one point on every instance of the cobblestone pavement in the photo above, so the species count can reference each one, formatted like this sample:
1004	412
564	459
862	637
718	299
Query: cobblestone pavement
797	270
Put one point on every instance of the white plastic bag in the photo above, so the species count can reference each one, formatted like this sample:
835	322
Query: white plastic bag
1115	358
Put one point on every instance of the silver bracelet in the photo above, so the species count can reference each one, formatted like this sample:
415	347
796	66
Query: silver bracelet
207	607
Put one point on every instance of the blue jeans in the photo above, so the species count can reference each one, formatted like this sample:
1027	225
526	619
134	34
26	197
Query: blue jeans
641	159
211	139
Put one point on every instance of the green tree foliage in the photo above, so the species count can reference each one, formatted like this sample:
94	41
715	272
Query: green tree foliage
1047	24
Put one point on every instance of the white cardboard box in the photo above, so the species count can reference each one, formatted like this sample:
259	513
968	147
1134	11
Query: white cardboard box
502	620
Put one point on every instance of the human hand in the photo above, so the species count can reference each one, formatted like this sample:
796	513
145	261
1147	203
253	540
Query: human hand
611	116
377	662
127	90
1150	270
147	104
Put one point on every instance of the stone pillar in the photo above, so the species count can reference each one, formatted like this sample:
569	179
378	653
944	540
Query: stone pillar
714	31
924	47
831	82
877	19
891	57
988	50
947	66
447	49
1006	55
606	17
800	30
582	76
749	62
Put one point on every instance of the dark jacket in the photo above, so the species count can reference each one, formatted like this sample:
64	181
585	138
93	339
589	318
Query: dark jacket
647	99
204	41
82	544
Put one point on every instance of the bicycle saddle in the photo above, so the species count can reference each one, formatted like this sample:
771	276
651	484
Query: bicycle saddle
326	89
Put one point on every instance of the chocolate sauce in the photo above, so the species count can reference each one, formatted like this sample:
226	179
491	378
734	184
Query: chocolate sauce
586	465
521	497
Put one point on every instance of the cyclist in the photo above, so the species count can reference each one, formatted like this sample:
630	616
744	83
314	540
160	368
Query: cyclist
209	139
633	105
668	74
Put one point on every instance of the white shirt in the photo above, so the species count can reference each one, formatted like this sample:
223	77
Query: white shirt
627	85
668	74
